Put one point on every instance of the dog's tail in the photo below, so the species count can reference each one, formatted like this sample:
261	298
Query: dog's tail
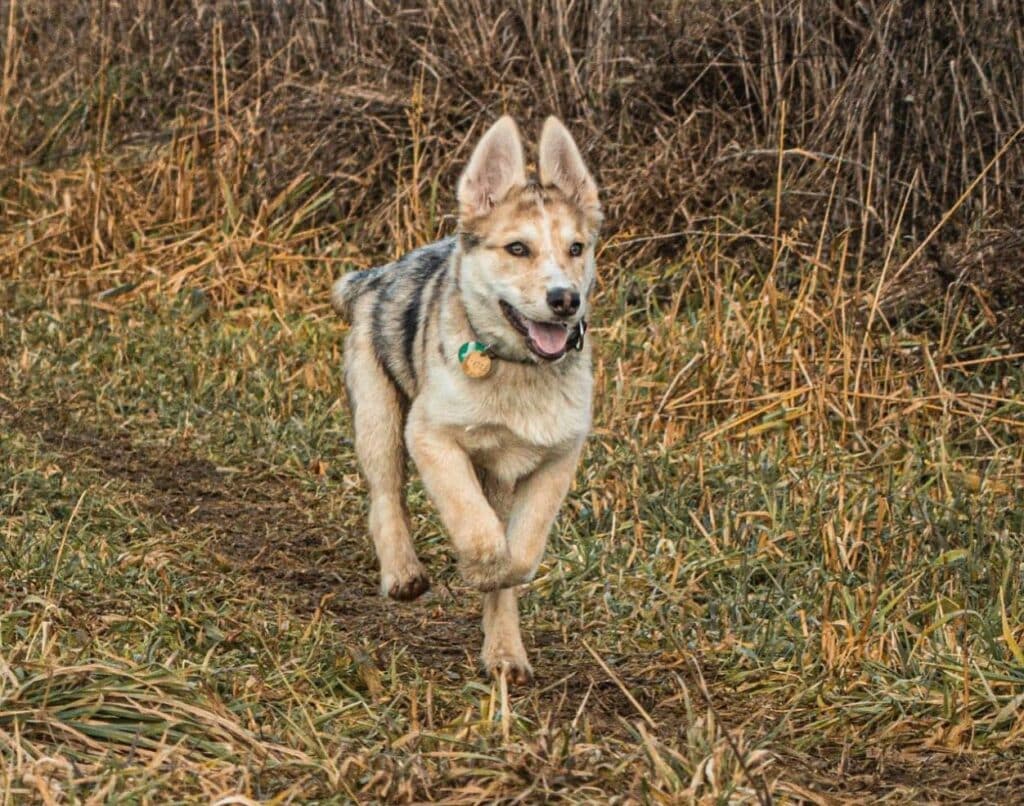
349	287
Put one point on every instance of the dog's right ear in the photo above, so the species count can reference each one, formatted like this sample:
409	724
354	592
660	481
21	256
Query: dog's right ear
494	169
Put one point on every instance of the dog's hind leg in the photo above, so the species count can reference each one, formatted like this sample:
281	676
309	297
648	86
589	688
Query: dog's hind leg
378	413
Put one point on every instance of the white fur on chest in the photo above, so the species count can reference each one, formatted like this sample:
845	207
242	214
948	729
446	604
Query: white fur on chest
512	421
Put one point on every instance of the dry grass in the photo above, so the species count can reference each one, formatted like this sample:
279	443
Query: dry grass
790	568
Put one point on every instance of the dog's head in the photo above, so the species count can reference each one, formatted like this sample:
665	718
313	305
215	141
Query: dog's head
527	247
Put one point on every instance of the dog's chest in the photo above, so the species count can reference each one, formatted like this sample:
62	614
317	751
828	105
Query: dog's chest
511	425
500	451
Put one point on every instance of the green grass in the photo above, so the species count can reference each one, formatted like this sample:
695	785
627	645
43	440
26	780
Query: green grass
752	592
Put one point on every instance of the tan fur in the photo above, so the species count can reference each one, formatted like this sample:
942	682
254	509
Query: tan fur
496	454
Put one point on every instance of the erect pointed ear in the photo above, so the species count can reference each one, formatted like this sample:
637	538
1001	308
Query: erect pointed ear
494	169
562	166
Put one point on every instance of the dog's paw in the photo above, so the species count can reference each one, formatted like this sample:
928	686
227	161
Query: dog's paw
514	667
405	585
409	589
487	570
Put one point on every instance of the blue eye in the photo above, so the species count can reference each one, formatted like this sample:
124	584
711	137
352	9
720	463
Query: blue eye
517	249
576	249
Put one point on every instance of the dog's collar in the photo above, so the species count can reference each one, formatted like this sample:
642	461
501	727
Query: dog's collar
475	356
575	340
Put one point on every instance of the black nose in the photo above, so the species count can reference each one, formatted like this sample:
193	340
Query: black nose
564	301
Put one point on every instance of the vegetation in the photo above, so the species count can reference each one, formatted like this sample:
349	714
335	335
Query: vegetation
791	566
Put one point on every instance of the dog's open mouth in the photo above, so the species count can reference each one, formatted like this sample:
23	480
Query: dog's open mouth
549	340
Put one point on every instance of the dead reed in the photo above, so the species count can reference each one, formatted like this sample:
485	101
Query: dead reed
790	568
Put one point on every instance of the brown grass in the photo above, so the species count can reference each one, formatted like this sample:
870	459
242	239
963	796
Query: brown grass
262	116
790	566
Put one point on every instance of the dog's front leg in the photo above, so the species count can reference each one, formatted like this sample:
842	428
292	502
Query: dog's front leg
534	506
452	484
504	653
537	500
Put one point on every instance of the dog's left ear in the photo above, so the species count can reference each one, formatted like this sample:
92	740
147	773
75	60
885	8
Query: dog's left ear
562	166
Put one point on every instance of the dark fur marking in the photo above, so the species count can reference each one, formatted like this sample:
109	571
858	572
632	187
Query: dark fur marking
410	324
379	344
435	295
397	313
430	308
427	264
403	398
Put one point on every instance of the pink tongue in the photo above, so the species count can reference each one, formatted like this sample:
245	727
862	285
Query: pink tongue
549	338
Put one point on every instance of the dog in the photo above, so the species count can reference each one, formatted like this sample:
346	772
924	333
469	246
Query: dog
470	353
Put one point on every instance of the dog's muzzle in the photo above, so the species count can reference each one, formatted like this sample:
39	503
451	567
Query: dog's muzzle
547	340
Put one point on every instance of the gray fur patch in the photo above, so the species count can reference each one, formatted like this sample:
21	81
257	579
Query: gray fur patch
400	309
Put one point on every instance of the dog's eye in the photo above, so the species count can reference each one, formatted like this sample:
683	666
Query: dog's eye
576	249
517	249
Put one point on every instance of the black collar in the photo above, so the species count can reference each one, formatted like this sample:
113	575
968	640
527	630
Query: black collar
575	341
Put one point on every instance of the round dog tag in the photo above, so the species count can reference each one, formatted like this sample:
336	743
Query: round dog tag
475	361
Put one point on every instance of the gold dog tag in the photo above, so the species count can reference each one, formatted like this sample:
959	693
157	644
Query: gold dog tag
474	359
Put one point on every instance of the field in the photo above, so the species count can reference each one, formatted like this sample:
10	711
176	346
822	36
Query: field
791	568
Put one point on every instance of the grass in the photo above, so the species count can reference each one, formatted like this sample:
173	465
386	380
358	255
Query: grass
790	567
784	571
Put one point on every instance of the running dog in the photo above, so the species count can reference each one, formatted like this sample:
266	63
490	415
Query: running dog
470	353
